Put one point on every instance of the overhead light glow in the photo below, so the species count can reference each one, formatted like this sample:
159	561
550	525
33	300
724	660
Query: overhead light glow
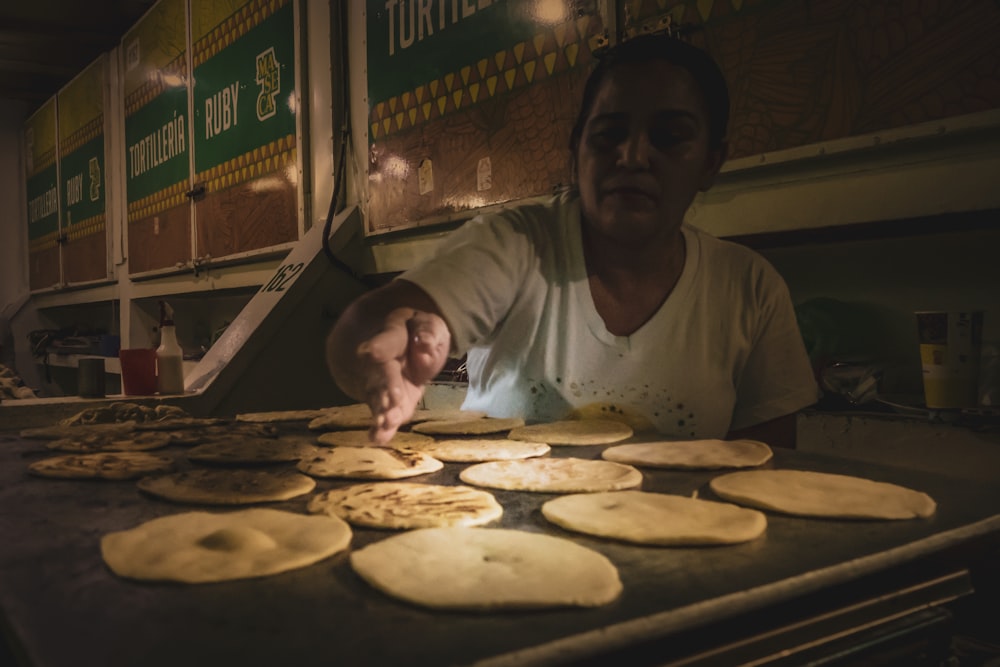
550	11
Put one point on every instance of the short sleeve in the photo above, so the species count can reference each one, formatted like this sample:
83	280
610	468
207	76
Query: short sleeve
777	378
475	275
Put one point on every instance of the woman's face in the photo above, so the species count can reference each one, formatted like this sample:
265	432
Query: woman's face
644	152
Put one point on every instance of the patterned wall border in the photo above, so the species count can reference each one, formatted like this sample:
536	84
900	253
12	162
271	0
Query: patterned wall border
238	24
260	161
91	130
157	202
546	54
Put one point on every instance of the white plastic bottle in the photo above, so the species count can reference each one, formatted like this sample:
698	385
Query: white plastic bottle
169	356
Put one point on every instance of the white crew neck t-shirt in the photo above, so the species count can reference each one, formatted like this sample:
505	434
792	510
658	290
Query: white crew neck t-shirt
723	351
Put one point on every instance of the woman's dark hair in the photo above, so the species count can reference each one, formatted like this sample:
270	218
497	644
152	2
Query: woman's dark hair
647	48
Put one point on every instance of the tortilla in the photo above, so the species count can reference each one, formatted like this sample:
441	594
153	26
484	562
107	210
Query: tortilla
62	431
655	518
487	569
179	422
227	487
553	475
618	412
574	432
361	439
691	454
278	416
124	411
193	436
203	547
355	416
481	426
251	450
103	465
817	494
368	463
407	505
115	442
444	415
476	450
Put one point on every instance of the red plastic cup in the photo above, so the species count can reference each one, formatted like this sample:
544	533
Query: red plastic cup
138	371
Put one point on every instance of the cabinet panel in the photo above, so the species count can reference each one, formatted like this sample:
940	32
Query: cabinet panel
157	155
802	72
82	168
470	104
43	197
245	105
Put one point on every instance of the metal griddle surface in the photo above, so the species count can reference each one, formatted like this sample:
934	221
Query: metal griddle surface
63	607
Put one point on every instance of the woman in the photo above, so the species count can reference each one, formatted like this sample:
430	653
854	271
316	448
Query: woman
599	299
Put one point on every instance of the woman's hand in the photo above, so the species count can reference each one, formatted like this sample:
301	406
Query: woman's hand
384	349
397	363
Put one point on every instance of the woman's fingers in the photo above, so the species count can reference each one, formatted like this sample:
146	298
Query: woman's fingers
410	351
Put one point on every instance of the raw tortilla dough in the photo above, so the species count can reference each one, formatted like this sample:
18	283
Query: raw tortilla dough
408	505
655	518
575	432
102	465
552	475
227	487
360	439
691	454
203	547
818	494
476	450
487	569
368	463
479	426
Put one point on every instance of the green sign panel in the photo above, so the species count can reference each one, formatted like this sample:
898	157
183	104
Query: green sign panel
83	181
411	42
156	145
244	97
43	203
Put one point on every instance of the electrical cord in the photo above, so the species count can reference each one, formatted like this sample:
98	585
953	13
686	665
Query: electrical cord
340	166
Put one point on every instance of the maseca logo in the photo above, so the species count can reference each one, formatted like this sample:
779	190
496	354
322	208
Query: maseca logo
269	80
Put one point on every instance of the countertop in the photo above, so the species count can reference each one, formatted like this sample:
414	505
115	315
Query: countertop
62	607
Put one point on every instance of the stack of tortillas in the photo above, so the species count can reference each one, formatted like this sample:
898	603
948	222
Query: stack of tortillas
655	518
817	494
693	454
201	547
406	505
486	569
